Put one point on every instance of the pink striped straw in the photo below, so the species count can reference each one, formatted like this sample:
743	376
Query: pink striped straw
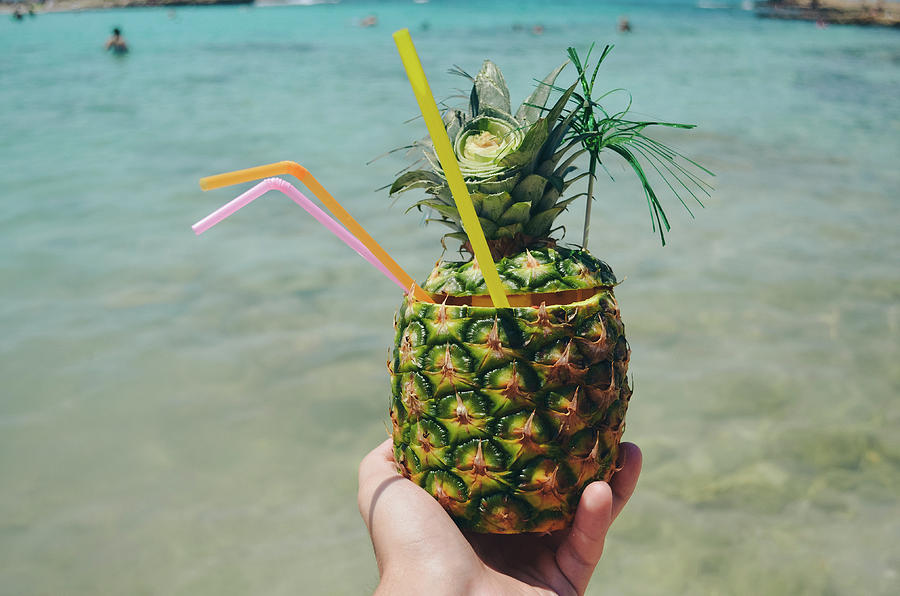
298	197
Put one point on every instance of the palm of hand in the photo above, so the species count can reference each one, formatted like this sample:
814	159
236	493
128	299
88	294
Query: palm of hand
420	550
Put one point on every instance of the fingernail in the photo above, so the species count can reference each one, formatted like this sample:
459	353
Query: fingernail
620	459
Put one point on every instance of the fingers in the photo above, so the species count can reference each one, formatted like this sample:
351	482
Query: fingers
624	481
580	552
378	464
375	469
600	503
409	529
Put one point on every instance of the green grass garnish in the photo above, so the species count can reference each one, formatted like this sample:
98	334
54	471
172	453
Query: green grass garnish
596	130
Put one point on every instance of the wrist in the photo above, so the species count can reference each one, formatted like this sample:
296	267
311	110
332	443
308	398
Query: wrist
430	578
400	584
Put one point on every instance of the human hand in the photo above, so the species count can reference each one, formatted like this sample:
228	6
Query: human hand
420	550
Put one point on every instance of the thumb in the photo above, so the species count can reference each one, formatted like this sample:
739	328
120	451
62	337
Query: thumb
600	503
580	552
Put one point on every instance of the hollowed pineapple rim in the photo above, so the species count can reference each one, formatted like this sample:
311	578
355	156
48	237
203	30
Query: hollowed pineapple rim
562	298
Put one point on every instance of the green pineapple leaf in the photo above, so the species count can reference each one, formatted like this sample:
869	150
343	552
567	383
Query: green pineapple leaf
565	204
454	121
530	110
517	213
547	200
539	225
445	210
560	104
490	187
415	179
458	236
489	227
528	150
492	206
509	231
530	189
490	90
446	222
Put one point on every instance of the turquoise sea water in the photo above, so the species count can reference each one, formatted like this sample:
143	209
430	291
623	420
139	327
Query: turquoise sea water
183	415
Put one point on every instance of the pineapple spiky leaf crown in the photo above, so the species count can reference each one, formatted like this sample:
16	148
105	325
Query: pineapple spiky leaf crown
518	167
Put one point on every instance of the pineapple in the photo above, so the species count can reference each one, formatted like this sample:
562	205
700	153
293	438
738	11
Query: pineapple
504	415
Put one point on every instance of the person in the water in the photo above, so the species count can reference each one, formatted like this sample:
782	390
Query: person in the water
116	43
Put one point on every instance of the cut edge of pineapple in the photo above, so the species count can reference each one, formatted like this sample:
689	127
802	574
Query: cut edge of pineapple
564	297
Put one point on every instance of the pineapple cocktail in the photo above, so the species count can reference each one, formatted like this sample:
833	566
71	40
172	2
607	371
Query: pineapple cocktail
504	415
509	370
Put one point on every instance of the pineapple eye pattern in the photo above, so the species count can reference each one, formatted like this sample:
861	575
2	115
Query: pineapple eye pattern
502	432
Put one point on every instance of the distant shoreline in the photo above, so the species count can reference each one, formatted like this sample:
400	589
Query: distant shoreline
827	12
80	5
833	12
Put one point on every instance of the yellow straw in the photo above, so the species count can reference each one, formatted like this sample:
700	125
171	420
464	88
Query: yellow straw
302	174
454	177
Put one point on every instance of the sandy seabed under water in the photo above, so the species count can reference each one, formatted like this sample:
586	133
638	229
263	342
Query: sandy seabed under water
185	415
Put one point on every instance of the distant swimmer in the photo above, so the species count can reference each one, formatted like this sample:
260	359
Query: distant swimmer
369	21
19	13
116	43
624	26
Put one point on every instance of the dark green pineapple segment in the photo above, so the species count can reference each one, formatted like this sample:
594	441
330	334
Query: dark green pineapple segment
504	415
534	271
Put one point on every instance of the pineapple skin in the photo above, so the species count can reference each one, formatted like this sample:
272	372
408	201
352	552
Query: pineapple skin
504	415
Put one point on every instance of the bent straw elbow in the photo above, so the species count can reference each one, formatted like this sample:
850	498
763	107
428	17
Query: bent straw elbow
355	229
295	195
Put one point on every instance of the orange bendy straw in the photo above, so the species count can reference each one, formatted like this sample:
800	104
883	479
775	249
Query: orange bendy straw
303	175
455	180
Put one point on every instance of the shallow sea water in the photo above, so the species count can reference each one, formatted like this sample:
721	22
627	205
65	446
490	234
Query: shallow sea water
184	415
